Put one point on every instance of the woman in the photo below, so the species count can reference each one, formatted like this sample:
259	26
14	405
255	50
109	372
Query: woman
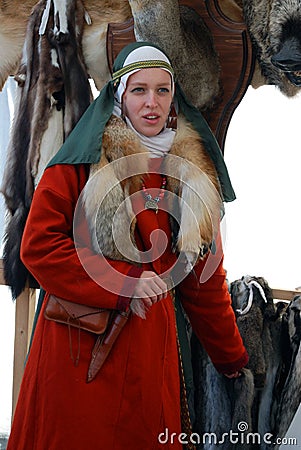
140	391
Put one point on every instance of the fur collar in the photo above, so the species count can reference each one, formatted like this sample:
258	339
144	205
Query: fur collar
191	177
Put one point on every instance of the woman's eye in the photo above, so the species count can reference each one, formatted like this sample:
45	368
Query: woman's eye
140	89
137	89
164	89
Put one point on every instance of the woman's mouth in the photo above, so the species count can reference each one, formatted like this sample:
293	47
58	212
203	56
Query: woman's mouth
151	117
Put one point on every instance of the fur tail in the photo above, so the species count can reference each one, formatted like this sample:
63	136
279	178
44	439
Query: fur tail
15	273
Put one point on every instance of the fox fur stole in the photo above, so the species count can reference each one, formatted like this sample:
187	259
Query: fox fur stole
191	179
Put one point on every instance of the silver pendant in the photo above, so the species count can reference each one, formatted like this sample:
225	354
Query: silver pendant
152	204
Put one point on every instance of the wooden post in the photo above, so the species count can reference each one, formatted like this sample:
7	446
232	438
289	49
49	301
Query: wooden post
25	307
2	280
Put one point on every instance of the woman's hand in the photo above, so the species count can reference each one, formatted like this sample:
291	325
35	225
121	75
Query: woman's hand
149	289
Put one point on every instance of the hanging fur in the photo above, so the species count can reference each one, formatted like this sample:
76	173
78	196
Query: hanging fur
220	403
288	381
53	93
267	395
271	333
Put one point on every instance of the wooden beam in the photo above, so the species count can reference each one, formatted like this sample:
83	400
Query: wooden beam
283	294
25	307
2	280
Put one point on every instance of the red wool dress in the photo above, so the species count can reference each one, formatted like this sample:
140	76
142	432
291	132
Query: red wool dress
136	395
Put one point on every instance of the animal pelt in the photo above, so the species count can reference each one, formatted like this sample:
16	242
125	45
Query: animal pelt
220	403
288	381
268	394
191	178
259	323
272	338
274	27
182	33
14	16
53	93
257	318
178	30
12	34
270	23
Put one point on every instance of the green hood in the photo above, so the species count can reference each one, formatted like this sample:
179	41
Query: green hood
83	145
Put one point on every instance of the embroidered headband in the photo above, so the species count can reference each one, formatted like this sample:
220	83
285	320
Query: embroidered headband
142	65
145	57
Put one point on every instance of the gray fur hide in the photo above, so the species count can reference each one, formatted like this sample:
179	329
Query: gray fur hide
220	403
275	29
288	382
182	33
267	395
53	93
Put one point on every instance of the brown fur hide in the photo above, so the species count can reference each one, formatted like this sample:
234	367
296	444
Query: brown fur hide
53	89
98	14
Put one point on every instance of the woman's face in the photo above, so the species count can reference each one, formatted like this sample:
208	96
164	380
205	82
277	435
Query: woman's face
147	99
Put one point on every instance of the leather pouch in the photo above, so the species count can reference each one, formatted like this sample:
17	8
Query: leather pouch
88	318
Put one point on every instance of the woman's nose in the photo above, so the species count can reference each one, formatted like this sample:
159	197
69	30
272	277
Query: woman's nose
151	99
